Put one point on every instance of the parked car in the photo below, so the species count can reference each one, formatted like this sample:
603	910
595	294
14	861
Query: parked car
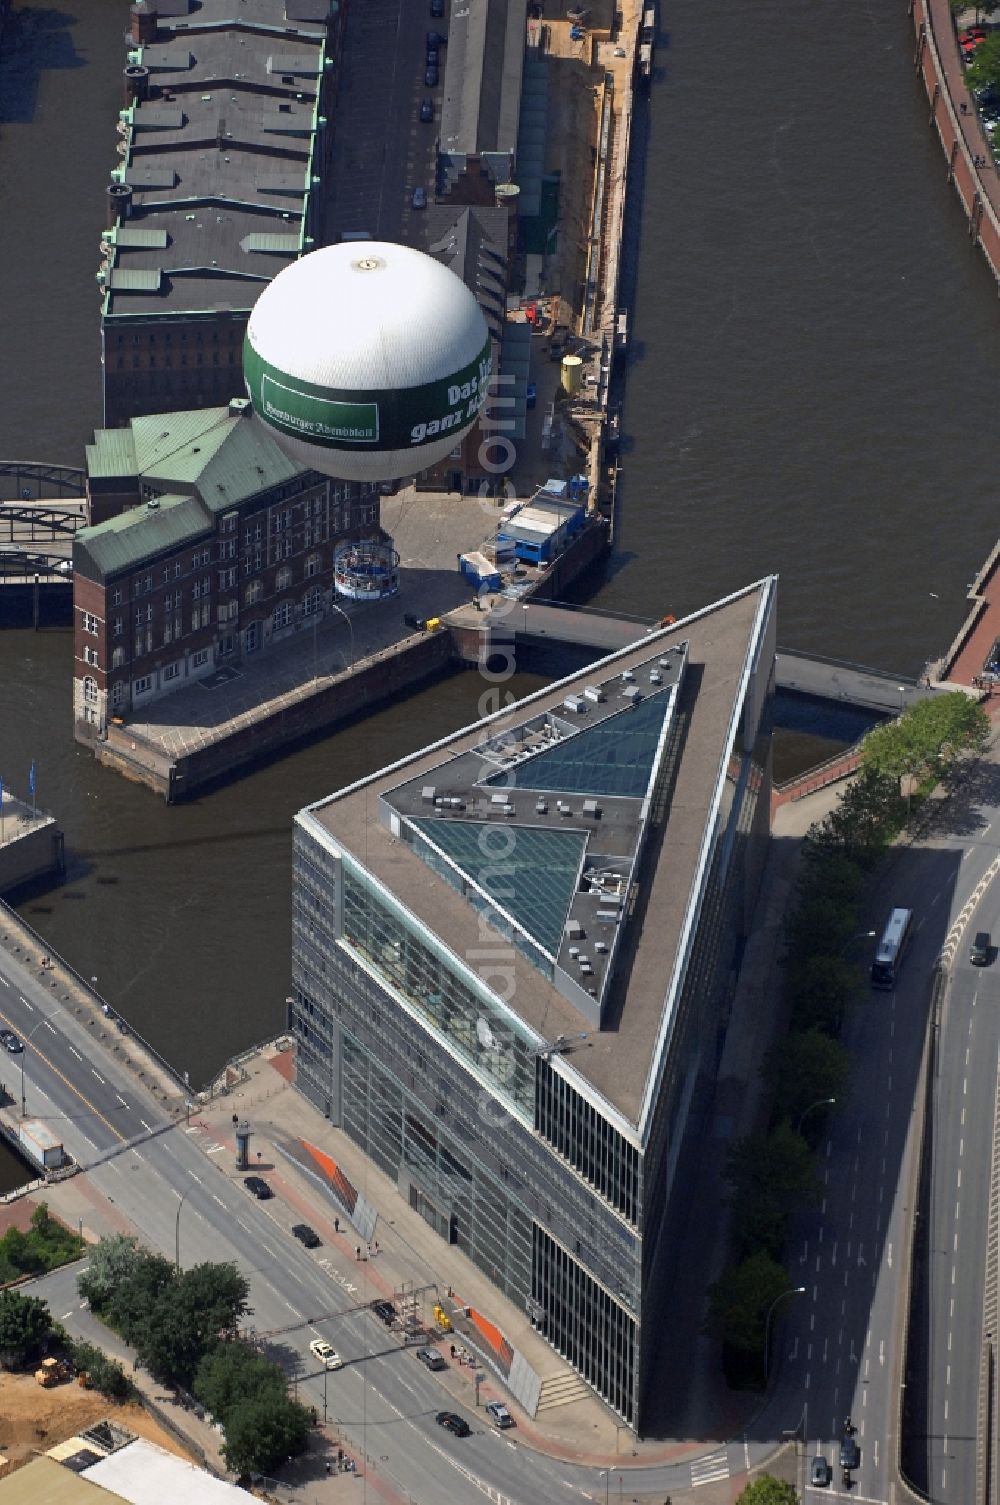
431	78
10	1042
426	110
819	1472
499	1415
419	199
435	39
437	9
258	1187
456	1425
326	1354
432	59
431	1358
384	1311
307	1235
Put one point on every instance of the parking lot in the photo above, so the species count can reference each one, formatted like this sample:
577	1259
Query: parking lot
382	150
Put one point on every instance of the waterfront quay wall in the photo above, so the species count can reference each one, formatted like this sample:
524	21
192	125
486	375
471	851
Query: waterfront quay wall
387	675
961	135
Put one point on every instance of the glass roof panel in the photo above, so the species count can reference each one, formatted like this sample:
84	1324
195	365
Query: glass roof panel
535	884
613	757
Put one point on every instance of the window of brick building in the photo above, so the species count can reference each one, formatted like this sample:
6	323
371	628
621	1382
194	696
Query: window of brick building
89	623
283	578
90	689
118	658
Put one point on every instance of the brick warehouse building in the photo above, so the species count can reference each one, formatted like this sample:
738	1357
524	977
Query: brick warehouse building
224	146
226	546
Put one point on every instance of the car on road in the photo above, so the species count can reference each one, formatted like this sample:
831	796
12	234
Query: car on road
850	1453
499	1415
326	1354
10	1042
431	1358
419	199
433	57
435	39
819	1472
437	9
456	1425
427	111
979	951
384	1311
306	1235
258	1187
431	78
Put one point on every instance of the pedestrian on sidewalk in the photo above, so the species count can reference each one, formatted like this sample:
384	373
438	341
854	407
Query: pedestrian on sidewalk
357	1252
376	1246
336	1225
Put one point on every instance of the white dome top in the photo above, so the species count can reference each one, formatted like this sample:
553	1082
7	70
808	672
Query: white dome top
367	315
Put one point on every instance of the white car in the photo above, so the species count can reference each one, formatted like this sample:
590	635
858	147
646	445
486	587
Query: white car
326	1354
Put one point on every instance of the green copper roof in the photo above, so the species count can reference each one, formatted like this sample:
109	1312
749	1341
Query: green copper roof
614	757
123	542
111	454
535	884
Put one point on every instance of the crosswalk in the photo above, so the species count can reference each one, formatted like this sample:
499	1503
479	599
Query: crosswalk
710	1468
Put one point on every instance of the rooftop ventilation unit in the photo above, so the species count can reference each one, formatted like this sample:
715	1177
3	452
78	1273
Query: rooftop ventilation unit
655	677
628	676
594	693
632	694
541	807
427	794
498	799
574	930
592	808
602	947
574	703
607	916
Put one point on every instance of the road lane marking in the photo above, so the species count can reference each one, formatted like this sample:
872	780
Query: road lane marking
50	1027
29	1006
194	1175
146	1126
121	1099
218	1199
94	1072
5	982
215	1149
76	1053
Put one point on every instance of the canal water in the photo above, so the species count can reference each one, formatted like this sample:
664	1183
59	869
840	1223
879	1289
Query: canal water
813	391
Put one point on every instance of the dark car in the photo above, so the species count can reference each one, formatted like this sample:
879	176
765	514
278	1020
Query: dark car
10	1042
431	1358
427	110
435	39
979	951
384	1311
419	199
819	1472
850	1453
453	1424
433	58
431	78
437	9
306	1235
258	1186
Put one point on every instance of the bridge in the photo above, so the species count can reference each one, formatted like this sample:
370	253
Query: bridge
35	478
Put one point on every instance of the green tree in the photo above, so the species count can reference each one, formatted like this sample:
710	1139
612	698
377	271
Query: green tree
106	1375
133	1302
808	1066
767	1490
827	871
771	1175
187	1318
928	738
25	1324
820	926
231	1373
984	70
870	810
261	1433
738	1304
820	988
112	1264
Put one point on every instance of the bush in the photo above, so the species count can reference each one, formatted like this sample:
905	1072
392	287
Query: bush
105	1374
46	1245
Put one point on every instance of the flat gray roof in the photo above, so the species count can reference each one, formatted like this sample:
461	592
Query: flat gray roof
219	159
482	80
617	1060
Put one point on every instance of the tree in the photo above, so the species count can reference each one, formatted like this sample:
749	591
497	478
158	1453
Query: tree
113	1263
261	1433
232	1373
869	811
25	1324
820	988
186	1318
767	1490
933	733
738	1304
827	871
820	926
808	1067
984	70
771	1175
106	1375
133	1302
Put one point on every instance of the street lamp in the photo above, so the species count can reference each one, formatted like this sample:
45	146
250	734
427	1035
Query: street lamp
792	1291
862	935
27	1041
350	624
822	1102
177	1228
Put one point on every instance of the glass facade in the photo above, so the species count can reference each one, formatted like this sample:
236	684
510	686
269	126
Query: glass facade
451	1096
